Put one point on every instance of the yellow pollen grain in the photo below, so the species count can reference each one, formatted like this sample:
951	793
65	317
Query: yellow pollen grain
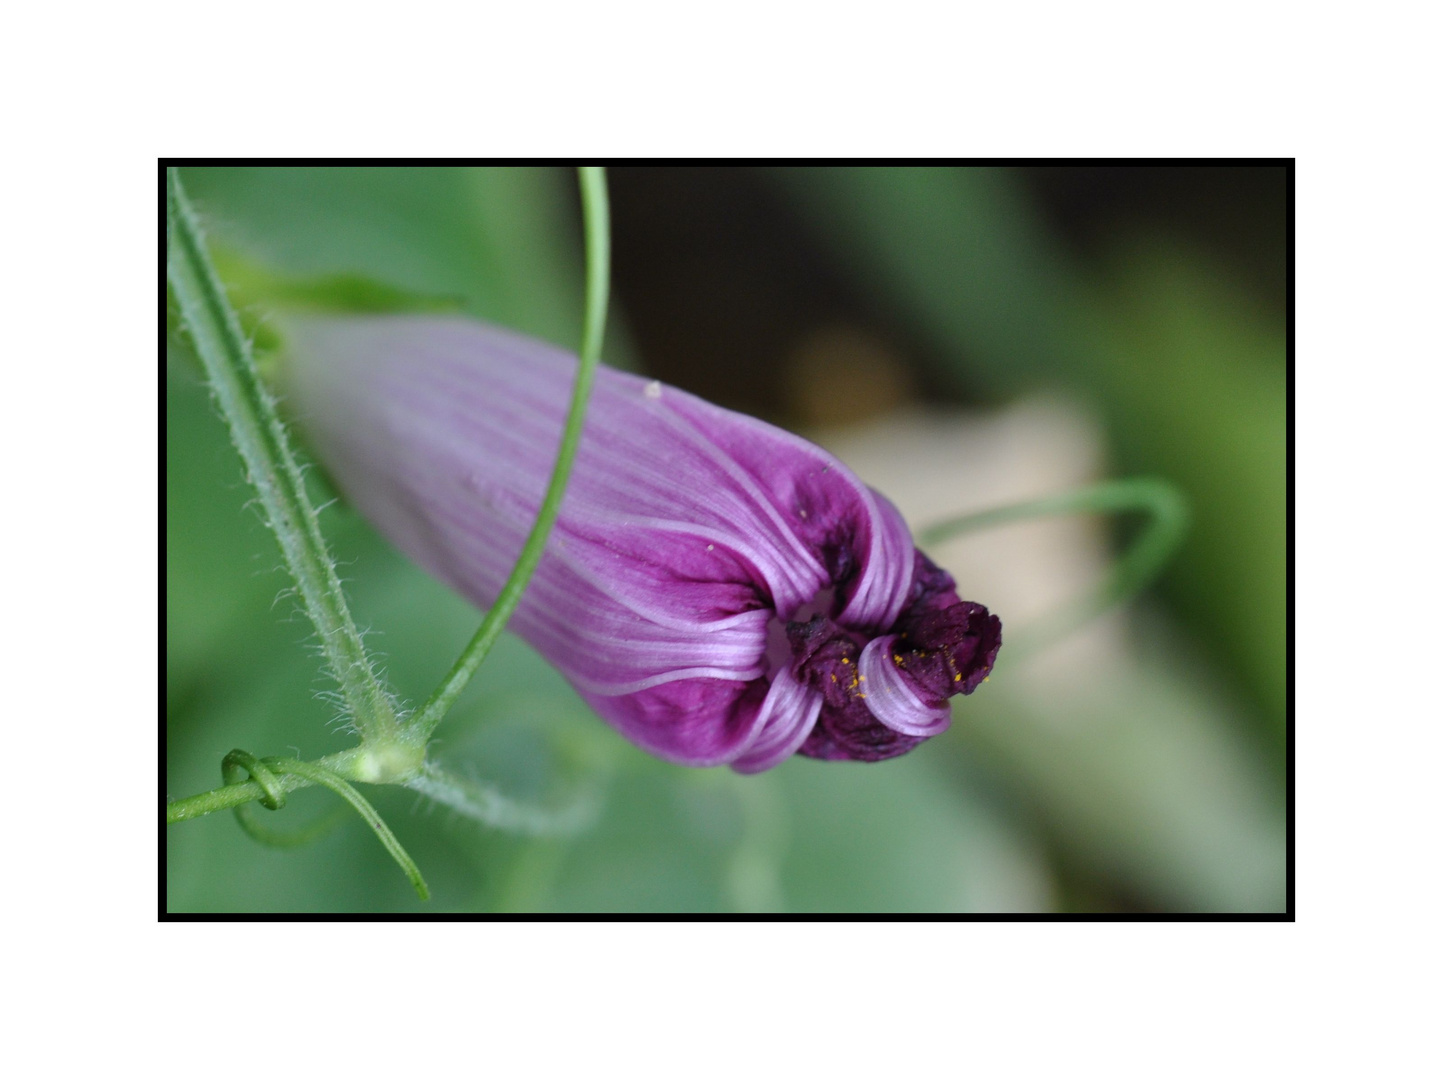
845	659
958	678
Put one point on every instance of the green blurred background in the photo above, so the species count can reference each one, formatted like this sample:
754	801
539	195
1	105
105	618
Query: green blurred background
1151	302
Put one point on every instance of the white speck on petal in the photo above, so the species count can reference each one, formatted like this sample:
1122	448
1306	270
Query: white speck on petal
653	390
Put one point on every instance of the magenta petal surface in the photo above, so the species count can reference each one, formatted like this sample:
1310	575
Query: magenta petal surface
686	531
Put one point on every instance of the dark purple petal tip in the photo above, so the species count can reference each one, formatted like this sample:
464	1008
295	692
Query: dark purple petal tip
939	646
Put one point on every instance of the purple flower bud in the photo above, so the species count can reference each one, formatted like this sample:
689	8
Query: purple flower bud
719	590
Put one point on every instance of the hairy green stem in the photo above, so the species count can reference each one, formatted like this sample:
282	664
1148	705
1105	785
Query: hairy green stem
487	806
597	289
261	440
1137	568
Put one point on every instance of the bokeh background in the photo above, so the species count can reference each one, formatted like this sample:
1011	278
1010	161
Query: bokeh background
962	337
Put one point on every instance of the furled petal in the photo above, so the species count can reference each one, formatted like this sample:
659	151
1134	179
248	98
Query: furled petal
685	534
789	714
895	701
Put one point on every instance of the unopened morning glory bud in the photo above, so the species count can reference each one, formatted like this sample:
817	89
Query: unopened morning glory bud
719	590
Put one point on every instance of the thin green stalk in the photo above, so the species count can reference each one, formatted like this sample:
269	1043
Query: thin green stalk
232	795
271	467
224	798
597	290
342	788
1137	568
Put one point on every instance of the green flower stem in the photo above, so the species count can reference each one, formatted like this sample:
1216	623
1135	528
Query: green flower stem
231	795
597	288
224	798
1137	568
271	467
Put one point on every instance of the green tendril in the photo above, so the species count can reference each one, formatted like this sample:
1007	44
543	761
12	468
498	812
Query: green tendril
597	289
240	761
1160	500
274	797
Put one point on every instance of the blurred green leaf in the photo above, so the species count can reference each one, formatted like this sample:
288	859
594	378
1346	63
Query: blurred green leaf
1194	380
1141	775
900	836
